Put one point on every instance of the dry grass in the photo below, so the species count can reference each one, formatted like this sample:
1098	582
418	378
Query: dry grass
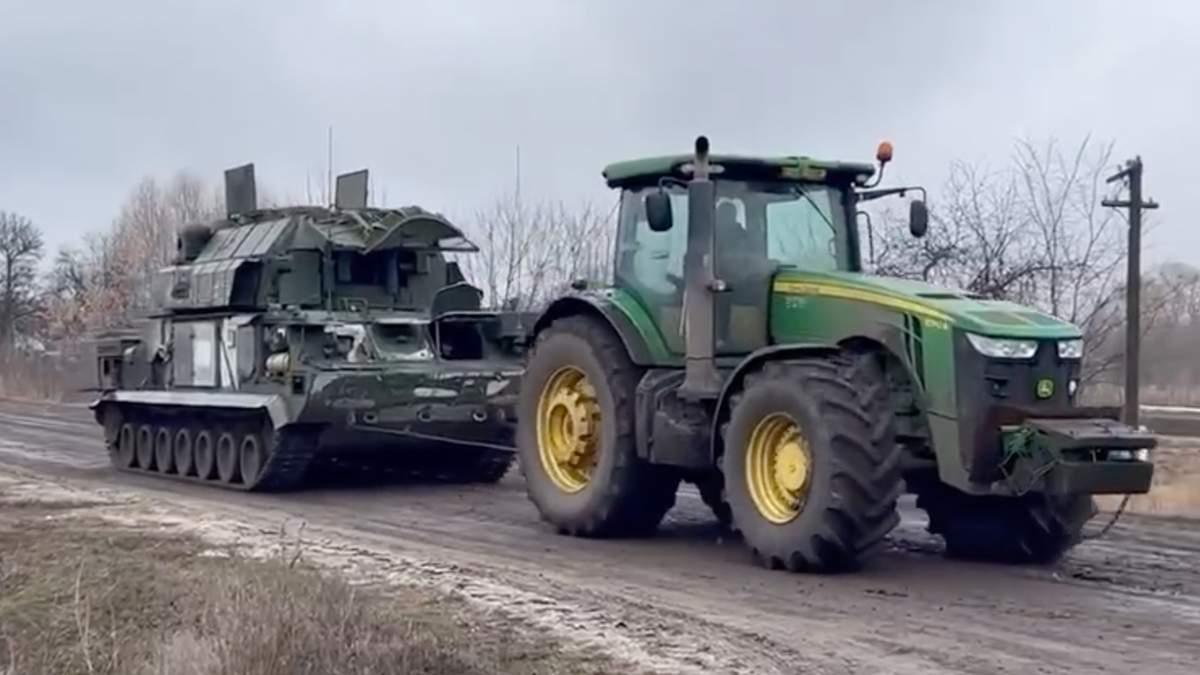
31	378
79	595
1105	394
1176	487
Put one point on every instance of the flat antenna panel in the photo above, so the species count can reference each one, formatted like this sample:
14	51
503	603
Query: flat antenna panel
351	190
240	193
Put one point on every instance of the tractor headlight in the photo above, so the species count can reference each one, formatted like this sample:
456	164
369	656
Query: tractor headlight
1003	348
1070	349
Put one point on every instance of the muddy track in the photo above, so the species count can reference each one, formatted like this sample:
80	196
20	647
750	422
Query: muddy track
1129	601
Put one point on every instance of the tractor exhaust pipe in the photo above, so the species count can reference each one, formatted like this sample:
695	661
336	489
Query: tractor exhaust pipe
699	296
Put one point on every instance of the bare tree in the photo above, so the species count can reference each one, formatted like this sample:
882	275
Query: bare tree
20	252
529	253
1171	343
108	281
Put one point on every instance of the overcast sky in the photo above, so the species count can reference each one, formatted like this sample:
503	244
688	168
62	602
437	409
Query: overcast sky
434	97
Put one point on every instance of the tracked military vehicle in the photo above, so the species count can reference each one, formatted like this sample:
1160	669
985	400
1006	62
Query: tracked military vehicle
290	337
744	348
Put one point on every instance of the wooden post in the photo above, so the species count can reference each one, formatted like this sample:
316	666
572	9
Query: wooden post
1133	282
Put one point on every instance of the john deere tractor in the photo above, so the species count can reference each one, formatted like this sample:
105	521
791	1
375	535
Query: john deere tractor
742	348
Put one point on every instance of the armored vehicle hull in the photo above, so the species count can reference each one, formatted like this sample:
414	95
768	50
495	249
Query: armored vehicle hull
294	340
457	426
235	441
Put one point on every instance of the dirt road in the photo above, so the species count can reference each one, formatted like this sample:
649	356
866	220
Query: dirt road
686	600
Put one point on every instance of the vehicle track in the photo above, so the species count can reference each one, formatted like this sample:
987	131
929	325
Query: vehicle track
1128	601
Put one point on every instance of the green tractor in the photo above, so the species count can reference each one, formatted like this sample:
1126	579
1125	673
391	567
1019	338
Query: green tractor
743	348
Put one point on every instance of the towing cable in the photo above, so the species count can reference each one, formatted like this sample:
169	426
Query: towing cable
1113	521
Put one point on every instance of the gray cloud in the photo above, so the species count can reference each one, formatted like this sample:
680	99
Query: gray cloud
435	96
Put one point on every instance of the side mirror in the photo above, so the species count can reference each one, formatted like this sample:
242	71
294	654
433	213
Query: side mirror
918	218
658	211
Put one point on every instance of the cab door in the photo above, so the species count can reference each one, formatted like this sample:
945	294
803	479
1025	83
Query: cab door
741	261
649	264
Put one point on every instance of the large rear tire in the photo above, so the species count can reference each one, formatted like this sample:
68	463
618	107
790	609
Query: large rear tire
1033	529
576	440
812	470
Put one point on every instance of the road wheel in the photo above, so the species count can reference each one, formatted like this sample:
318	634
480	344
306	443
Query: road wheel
145	447
1034	529
127	446
227	457
812	471
576	435
205	452
185	460
164	456
252	457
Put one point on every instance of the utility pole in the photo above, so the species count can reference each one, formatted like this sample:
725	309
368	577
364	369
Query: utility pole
329	169
1132	173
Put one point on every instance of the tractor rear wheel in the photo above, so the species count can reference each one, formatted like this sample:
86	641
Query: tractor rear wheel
812	470
576	439
1033	529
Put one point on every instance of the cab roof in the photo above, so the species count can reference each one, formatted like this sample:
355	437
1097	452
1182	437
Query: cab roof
648	170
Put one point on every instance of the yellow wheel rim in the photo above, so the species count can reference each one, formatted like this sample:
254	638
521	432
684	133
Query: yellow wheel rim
568	429
778	468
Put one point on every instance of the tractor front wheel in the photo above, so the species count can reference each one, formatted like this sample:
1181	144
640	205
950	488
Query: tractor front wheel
812	470
576	438
1033	529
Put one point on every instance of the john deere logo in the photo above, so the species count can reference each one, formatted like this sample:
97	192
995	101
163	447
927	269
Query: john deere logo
1045	388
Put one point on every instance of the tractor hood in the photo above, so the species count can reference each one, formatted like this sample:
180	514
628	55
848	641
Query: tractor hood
961	309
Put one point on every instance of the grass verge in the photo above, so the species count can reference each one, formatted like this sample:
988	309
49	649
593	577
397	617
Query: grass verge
1176	487
82	595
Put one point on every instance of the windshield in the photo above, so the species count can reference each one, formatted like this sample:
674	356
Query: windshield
791	224
757	224
401	342
805	229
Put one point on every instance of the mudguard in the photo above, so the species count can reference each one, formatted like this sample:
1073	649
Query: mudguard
756	358
273	403
600	305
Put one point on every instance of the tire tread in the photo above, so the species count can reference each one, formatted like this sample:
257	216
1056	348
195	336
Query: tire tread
853	400
636	495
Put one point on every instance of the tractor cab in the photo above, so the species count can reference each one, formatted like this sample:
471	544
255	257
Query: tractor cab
768	215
